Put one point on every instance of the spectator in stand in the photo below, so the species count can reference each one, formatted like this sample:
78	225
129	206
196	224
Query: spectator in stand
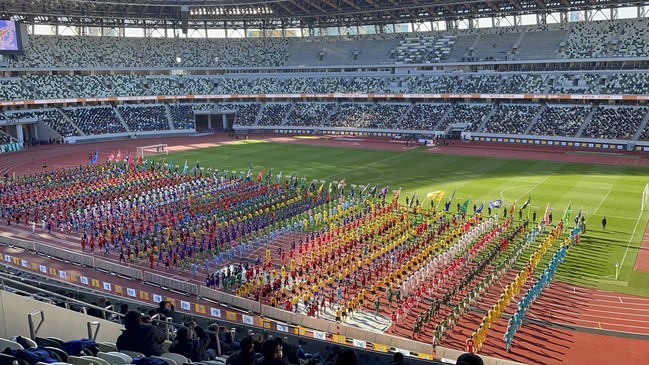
245	356
214	336
398	359
272	353
166	309
289	351
185	344
347	357
469	359
140	337
99	302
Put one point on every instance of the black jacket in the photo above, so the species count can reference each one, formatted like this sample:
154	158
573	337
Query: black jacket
239	358
144	338
192	349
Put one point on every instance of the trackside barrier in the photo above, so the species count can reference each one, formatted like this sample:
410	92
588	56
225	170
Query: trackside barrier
171	283
119	269
246	304
27	245
64	254
242	303
277	314
294	319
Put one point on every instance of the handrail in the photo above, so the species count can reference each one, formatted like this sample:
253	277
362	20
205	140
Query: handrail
30	319
4	278
90	325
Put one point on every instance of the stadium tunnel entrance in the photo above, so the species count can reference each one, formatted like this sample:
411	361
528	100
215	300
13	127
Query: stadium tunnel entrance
221	120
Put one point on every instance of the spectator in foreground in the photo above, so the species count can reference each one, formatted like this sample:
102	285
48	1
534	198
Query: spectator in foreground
192	348
245	355
289	351
271	352
469	359
140	337
398	359
347	357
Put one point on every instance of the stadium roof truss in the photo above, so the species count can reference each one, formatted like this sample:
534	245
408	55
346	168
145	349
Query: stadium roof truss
279	14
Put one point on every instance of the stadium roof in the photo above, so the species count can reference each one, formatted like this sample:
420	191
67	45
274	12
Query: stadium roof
277	14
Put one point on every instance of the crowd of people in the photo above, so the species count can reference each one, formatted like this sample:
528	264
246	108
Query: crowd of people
145	118
348	250
96	120
511	119
559	120
30	87
143	335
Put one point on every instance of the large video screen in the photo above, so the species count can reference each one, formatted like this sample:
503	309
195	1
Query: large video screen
8	36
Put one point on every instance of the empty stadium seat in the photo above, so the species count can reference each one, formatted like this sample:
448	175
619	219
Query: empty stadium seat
115	358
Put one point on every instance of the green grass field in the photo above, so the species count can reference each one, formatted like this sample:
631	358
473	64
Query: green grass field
611	191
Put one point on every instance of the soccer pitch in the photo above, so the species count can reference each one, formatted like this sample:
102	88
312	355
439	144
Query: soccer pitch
598	190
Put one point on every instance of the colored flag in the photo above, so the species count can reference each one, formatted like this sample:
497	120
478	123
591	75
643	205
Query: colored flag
546	216
139	160
185	168
111	158
465	205
279	177
578	216
436	195
130	160
453	195
480	208
513	208
527	202
567	213
196	167
248	174
373	191
495	204
341	184
396	195
94	158
384	191
320	188
119	155
260	175
365	189
171	164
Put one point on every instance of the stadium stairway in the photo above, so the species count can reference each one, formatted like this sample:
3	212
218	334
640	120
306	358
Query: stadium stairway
170	119
403	116
487	118
67	118
121	118
535	119
643	126
288	113
586	121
